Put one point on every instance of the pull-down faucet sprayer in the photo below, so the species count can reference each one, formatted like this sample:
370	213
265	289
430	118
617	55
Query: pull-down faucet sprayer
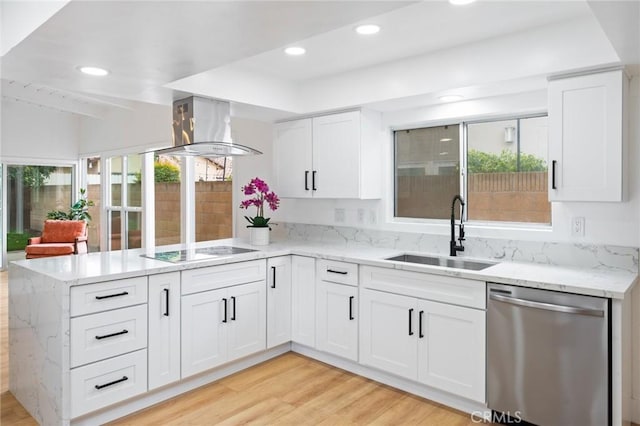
453	247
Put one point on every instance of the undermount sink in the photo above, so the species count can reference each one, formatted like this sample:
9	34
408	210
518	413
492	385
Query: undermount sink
442	261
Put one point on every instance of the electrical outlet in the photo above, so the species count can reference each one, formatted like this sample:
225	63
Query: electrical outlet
372	217
360	217
339	215
577	226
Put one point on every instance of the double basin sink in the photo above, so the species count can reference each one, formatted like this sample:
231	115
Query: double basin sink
448	262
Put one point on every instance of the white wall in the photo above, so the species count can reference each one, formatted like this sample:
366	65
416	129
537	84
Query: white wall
140	128
38	134
258	135
605	223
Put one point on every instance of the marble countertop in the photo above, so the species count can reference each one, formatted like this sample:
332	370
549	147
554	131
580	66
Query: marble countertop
105	266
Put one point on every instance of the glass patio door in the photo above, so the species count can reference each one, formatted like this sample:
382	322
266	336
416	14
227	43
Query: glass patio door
33	191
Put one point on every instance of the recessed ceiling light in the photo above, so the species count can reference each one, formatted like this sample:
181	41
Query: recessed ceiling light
451	98
295	51
100	72
461	2
367	29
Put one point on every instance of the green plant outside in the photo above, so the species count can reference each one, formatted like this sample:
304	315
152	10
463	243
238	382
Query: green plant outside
505	162
163	173
78	211
17	241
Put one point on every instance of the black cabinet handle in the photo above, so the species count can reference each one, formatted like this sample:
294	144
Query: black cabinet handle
313	180
112	334
124	378
410	320
124	293
233	301
224	300
420	315
351	318
306	180
273	282
166	298
333	271
553	174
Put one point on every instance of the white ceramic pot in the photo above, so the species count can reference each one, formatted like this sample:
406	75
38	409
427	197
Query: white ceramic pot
259	236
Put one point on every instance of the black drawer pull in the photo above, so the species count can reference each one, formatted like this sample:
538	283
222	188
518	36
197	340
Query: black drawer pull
306	180
115	382
233	302
553	174
410	320
124	293
112	334
313	180
333	271
166	298
420	334
273	283
225	309
351	318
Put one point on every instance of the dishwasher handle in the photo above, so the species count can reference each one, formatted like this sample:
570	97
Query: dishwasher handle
546	306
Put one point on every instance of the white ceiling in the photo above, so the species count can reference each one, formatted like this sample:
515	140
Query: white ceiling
162	50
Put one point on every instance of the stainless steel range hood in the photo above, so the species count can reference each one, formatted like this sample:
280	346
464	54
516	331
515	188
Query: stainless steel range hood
201	128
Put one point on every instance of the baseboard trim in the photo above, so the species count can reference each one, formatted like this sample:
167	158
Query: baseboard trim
159	395
478	409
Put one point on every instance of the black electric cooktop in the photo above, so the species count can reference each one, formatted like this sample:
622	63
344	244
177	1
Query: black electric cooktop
202	253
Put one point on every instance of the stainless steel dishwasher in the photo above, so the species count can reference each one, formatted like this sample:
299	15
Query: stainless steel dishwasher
548	356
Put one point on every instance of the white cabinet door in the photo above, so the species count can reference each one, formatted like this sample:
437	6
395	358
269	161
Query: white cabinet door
451	349
336	317
389	332
247	319
292	153
164	329
336	155
204	331
303	293
278	301
585	137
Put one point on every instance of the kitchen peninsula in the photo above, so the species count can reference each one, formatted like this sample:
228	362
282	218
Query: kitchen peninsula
95	337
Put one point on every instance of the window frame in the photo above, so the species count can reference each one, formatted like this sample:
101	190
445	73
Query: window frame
463	146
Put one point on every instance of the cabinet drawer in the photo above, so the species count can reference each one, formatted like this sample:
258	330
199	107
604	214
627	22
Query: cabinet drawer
215	277
337	272
439	288
91	298
99	336
106	382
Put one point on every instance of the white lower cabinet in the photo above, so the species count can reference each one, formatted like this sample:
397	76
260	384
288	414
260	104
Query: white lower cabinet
106	382
278	301
337	319
303	295
388	333
219	326
451	349
437	344
164	329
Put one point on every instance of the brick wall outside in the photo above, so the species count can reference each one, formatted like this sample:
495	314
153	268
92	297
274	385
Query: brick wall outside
512	197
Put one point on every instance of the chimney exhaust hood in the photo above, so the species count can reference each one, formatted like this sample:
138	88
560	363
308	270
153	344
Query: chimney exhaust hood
201	128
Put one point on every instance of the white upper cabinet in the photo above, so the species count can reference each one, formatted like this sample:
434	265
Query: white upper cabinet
331	156
586	137
292	150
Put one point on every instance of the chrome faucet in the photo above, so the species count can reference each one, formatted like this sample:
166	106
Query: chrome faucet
453	247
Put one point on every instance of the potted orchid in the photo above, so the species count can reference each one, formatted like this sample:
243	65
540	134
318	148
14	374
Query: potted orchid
259	193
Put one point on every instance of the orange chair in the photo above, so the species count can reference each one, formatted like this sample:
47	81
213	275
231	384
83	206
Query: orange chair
59	237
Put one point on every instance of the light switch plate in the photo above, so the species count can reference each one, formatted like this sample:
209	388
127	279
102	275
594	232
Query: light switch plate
339	215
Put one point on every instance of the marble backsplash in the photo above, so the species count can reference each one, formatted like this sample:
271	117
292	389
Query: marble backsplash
590	256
